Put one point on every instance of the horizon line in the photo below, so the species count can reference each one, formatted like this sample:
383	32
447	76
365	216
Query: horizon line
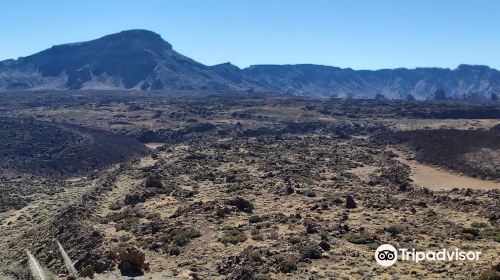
266	64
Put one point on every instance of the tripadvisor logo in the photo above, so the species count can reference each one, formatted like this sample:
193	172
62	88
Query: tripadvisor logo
387	255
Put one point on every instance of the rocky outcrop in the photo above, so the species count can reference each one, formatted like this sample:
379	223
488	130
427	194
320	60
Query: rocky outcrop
132	260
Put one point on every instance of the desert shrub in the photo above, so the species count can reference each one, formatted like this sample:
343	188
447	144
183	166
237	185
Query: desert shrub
310	194
324	235
124	238
255	219
257	237
113	217
254	231
153	182
287	266
395	229
102	220
117	205
128	224
468	236
491	233
186	193
234	236
255	256
479	225
169	188
311	227
473	231
172	250
108	218
294	239
359	238
263	225
274	235
153	216
183	236
261	277
311	251
135	198
227	228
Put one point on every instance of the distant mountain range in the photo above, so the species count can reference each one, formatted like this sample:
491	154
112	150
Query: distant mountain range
142	60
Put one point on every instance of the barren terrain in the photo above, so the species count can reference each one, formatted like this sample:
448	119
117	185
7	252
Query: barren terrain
436	179
232	185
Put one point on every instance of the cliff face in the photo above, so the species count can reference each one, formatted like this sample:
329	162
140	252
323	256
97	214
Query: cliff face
141	59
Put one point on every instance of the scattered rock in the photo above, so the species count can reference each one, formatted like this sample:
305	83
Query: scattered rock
241	204
350	203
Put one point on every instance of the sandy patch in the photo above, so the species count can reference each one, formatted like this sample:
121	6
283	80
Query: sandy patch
437	179
364	172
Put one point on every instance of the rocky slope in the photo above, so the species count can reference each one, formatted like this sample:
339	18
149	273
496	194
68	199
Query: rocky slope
58	150
140	59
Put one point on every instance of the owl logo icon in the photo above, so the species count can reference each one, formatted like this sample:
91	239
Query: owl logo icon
386	255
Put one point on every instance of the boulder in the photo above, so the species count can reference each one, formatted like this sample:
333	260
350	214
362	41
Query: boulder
350	203
242	204
132	259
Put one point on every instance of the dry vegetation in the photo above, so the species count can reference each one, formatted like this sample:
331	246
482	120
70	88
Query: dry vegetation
247	186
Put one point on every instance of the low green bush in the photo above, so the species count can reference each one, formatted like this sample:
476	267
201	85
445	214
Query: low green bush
395	229
127	224
287	266
182	237
234	236
359	238
311	251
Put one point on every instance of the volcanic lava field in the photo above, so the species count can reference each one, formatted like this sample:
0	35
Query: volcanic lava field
244	185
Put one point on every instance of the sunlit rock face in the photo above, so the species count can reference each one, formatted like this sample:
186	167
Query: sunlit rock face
142	60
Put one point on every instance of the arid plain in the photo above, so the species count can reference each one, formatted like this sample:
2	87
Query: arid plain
245	185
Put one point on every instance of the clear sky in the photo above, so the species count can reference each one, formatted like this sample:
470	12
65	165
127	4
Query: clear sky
360	34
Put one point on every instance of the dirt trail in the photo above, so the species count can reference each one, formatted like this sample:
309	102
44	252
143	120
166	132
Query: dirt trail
436	179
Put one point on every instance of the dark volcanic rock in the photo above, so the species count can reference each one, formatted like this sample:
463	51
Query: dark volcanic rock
349	202
242	204
132	260
60	150
473	152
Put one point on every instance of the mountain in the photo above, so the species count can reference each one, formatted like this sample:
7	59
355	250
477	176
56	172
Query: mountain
142	60
465	82
134	59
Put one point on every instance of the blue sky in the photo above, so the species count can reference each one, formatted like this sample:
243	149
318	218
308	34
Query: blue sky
369	34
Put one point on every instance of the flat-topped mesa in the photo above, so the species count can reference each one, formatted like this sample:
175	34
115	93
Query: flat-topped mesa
141	60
